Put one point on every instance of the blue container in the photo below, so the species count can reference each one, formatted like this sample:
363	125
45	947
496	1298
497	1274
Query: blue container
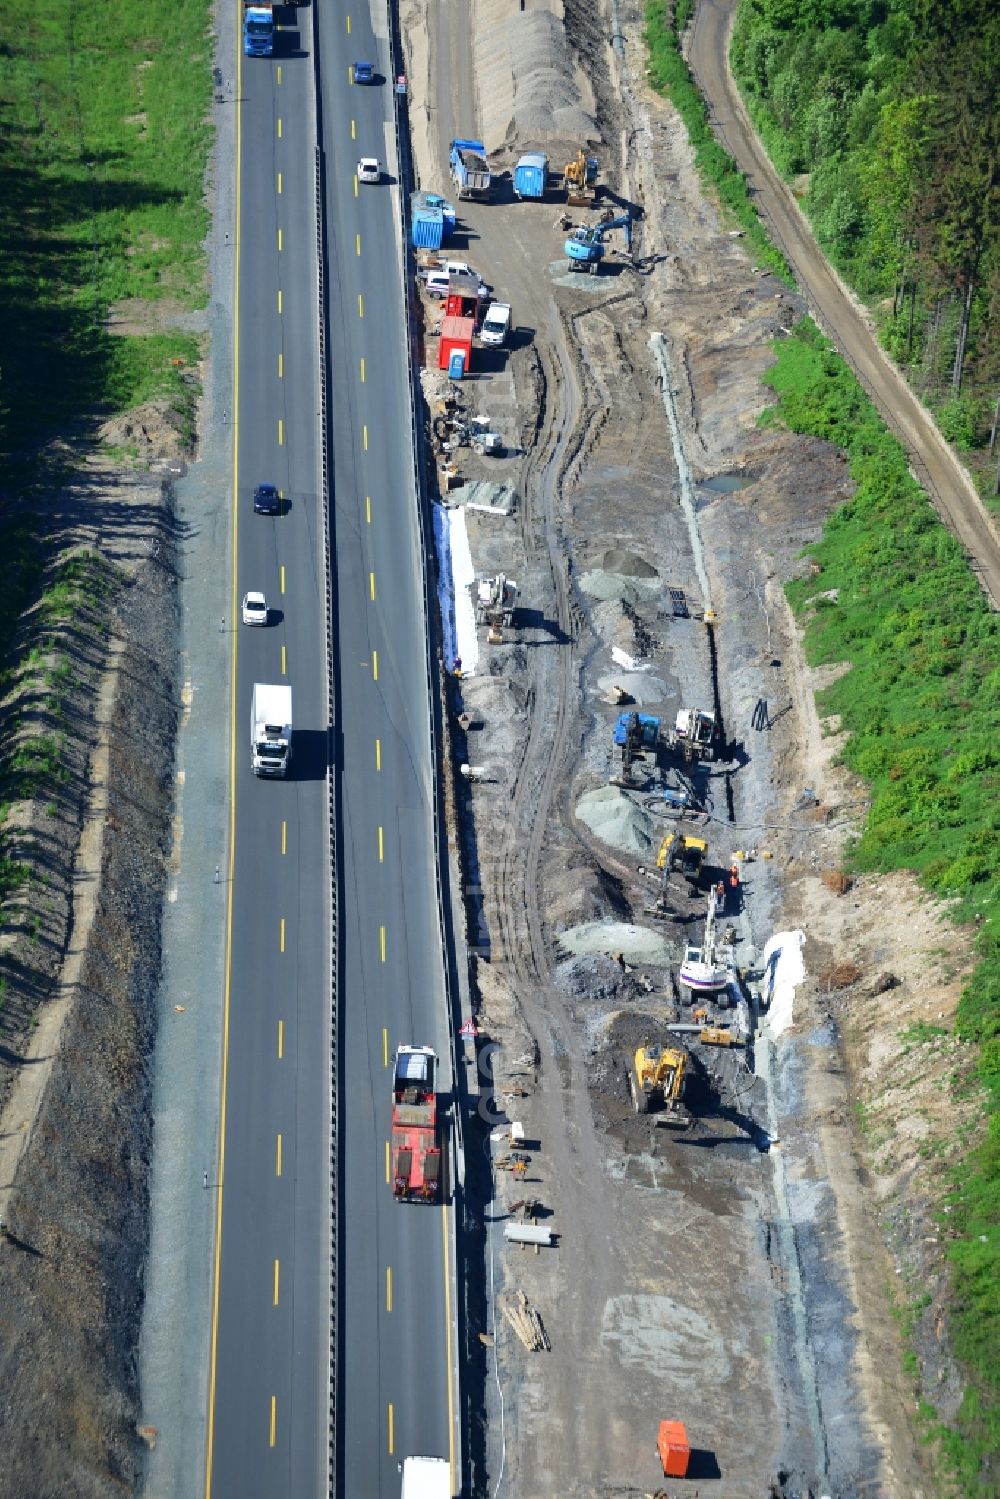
427	229
435	201
456	364
531	176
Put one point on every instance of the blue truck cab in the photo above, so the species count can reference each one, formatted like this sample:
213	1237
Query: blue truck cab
258	28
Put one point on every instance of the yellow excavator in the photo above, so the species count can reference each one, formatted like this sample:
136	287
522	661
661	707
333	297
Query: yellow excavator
657	1078
683	855
580	177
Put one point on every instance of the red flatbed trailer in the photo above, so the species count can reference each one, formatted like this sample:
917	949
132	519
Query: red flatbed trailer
416	1154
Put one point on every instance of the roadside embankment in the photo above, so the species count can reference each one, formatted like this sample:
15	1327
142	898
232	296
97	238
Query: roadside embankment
75	1223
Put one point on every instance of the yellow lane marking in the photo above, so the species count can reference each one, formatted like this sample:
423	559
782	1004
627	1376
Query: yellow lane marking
371	586
280	241
279	127
282	577
362	371
381	943
281	433
276	1272
355	184
348	20
220	1173
357	244
364	436
281	1039
274	1420
387	1160
279	72
368	508
284	661
391	1438
350	72
284	836
385	1046
447	1344
388	1287
361	305
281	366
279	304
354	133
279	182
281	935
277	1159
378	754
381	846
374	666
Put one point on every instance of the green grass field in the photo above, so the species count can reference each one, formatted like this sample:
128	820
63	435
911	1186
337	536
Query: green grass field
922	706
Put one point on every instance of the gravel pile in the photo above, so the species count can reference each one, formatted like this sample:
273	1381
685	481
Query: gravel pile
637	944
602	583
618	821
628	564
642	687
529	90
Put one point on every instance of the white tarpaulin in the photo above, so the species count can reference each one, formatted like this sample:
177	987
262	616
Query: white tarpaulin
783	970
455	577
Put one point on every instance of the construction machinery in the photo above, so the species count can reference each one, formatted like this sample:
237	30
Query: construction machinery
416	1154
496	600
637	735
656	1079
709	969
580	177
695	734
683	855
585	246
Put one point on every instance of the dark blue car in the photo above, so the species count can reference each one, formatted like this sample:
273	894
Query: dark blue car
266	500
364	72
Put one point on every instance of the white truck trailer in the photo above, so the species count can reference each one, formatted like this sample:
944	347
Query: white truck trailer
270	729
426	1478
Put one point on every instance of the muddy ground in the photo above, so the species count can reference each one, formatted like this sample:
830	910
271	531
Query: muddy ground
725	1275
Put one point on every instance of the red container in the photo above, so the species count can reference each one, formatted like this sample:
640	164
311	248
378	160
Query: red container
672	1445
456	333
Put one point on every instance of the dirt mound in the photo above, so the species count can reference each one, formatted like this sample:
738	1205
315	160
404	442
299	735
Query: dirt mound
530	89
637	944
628	564
618	821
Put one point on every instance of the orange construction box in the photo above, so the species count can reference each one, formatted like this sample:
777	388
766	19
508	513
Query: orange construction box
672	1445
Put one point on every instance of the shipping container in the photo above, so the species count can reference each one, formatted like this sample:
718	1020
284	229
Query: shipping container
672	1445
531	176
435	200
456	336
427	228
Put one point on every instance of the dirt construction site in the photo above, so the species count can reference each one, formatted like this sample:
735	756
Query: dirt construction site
722	1269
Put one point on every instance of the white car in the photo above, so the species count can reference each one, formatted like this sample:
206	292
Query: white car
369	169
254	609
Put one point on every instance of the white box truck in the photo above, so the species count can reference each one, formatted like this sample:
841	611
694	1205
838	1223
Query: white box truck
270	729
426	1478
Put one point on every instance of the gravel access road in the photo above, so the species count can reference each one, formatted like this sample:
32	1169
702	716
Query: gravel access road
933	463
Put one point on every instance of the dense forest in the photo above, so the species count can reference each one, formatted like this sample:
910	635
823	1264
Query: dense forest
884	113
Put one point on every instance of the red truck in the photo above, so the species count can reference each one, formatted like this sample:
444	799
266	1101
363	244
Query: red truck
416	1154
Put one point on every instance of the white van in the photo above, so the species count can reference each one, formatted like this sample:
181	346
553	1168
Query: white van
496	324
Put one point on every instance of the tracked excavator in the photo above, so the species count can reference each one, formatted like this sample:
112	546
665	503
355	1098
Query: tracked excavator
656	1079
636	735
580	177
496	600
683	855
695	734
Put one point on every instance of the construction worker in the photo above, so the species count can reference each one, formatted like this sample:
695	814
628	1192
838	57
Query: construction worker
734	877
720	894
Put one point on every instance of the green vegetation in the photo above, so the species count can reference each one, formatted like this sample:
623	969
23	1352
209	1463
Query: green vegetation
102	156
922	706
920	1032
669	73
888	109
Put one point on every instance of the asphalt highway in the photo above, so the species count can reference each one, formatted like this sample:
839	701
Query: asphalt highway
269	1404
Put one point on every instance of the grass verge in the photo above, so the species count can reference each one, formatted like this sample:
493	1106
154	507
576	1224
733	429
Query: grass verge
893	595
669	73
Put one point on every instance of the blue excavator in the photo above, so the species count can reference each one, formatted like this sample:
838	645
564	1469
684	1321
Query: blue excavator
585	246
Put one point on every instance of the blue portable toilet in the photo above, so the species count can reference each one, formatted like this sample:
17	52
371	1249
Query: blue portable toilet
456	364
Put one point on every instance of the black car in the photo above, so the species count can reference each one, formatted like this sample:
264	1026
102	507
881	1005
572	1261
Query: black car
266	500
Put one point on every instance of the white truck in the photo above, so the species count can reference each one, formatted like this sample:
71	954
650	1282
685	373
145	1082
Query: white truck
270	729
426	1478
496	324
